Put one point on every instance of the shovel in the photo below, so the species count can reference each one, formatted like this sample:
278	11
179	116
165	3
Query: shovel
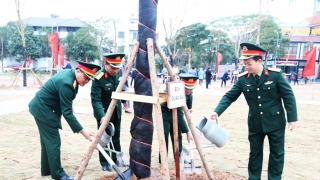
121	176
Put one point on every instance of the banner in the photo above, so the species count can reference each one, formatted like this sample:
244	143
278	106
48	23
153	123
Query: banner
61	52
219	57
310	56
53	40
29	62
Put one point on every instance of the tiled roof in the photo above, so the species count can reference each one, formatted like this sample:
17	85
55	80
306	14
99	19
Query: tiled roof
314	19
48	22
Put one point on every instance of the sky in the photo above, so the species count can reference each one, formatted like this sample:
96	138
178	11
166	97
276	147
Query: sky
191	11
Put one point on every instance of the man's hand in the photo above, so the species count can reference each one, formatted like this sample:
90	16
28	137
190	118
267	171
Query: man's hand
87	134
291	126
124	107
189	137
213	116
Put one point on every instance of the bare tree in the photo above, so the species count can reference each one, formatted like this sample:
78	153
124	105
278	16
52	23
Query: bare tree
21	28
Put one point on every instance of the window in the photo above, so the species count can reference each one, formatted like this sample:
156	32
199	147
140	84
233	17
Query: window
135	35
120	34
294	48
72	29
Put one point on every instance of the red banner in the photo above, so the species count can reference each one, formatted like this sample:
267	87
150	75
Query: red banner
53	40
219	57
61	52
29	61
309	69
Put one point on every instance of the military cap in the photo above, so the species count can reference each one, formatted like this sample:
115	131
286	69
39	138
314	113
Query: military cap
250	51
189	80
88	69
115	60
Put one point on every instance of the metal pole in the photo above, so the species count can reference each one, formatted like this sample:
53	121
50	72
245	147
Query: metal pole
276	56
2	53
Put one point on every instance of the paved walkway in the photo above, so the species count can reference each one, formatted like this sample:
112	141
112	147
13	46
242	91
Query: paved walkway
19	105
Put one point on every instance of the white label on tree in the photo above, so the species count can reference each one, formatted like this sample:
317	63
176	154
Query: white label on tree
176	95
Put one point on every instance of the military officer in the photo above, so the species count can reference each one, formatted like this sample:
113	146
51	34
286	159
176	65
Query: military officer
189	82
106	82
264	90
52	101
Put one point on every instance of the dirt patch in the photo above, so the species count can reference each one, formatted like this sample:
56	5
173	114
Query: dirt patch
156	175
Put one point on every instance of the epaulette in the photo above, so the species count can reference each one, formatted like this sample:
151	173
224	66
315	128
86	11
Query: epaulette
98	76
242	74
75	84
274	69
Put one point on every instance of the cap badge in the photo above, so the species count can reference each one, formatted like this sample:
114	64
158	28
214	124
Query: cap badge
95	69
190	80
118	57
244	48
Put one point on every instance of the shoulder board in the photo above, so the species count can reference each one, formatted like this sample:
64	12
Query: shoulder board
274	69
75	84
98	76
242	74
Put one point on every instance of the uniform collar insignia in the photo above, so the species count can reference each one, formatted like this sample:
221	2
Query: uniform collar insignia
106	75
268	82
266	72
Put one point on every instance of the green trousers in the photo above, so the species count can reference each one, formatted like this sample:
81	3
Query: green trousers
50	150
276	156
115	140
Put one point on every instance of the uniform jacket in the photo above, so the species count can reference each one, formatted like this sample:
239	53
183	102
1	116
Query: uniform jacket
264	99
167	114
54	99
101	91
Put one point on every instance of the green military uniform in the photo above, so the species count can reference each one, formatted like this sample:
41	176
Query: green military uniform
53	100
101	91
168	122
266	116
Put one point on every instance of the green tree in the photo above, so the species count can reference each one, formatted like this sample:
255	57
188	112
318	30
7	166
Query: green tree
14	42
190	37
79	45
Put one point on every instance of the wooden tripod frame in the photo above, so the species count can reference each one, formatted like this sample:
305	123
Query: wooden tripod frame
16	79
156	100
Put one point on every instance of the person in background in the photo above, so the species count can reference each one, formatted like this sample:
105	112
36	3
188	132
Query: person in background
53	100
181	71
208	77
201	76
126	85
296	80
190	82
106	81
224	78
68	65
193	71
267	92
132	75
234	76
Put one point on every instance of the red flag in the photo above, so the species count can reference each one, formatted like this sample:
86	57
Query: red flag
309	69
29	61
53	40
219	57
61	52
86	59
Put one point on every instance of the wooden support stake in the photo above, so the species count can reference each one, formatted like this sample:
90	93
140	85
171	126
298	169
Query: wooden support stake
186	113
176	142
106	120
158	113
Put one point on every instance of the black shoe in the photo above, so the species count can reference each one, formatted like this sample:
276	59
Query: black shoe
66	177
106	168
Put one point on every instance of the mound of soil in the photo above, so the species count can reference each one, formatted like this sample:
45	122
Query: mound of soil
156	175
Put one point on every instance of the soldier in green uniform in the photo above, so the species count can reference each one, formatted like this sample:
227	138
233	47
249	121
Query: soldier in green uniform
53	100
189	82
264	90
106	82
